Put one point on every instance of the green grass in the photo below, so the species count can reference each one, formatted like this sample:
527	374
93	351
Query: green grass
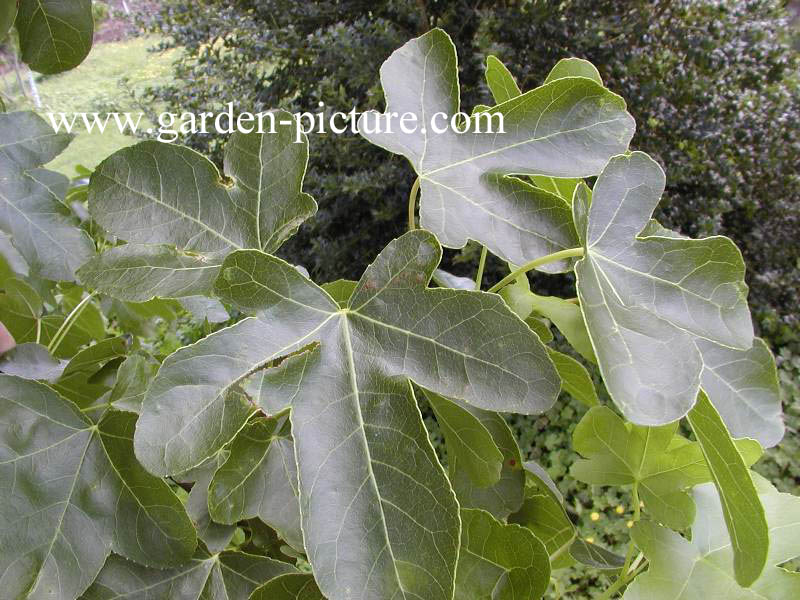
97	86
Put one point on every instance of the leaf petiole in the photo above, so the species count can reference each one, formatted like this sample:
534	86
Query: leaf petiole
412	204
481	266
538	262
68	323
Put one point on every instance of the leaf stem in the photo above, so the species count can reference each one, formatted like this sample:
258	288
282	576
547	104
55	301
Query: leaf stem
481	266
412	203
538	262
38	330
68	323
613	588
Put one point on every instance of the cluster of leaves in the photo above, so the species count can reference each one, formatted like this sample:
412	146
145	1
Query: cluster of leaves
711	84
296	431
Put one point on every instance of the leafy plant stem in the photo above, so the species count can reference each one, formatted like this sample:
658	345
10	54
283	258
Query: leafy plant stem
481	266
537	262
38	330
412	204
68	322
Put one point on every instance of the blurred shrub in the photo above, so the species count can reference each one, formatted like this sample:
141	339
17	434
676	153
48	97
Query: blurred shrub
712	84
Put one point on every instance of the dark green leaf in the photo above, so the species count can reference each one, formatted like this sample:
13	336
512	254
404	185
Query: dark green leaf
259	479
55	36
744	515
575	379
76	493
133	377
8	12
293	586
76	382
544	514
498	561
216	536
369	478
223	576
469	443
595	556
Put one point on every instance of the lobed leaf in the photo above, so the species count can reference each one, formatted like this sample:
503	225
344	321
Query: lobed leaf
680	568
665	312
499	561
259	479
75	494
224	576
369	479
32	211
566	128
662	464
181	217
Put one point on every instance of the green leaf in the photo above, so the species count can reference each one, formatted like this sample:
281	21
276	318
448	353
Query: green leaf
575	379
141	318
369	478
574	67
465	193
564	314
568	67
54	36
11	262
32	213
657	306
216	536
507	494
340	290
277	387
744	388
517	296
259	479
293	586
702	567
468	442
498	561
199	217
744	515
31	361
77	493
139	273
205	309
76	382
660	463
543	513
133	377
224	576
501	82
595	556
